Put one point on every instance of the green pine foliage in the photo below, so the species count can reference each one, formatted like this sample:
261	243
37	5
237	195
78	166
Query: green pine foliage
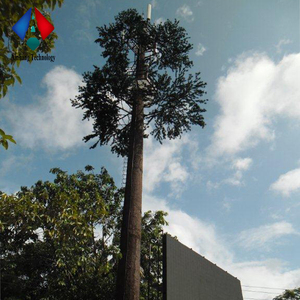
172	96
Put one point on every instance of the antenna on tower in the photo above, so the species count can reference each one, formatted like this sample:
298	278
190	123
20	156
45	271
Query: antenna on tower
149	12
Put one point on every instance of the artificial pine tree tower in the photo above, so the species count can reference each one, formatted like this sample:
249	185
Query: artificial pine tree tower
144	84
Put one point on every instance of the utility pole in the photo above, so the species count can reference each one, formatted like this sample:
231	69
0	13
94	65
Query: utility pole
128	279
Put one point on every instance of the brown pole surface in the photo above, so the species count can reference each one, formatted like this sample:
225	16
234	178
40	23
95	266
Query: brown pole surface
128	281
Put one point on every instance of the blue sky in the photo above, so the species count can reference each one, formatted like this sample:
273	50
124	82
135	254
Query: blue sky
231	189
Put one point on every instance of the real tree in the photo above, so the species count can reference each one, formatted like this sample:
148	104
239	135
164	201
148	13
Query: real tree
143	88
60	240
289	295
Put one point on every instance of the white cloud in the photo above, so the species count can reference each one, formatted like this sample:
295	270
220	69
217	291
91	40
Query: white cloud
266	273
282	43
159	20
263	237
194	233
254	92
287	183
200	50
52	123
162	163
227	203
234	180
176	172
185	12
212	185
242	164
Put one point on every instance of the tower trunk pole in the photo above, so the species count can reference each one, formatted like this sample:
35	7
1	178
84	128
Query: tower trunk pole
128	279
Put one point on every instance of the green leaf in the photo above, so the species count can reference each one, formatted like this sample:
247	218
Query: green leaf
18	77
4	90
53	4
9	81
2	132
10	138
5	144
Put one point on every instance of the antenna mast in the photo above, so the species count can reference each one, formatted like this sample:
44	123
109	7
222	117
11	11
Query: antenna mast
149	12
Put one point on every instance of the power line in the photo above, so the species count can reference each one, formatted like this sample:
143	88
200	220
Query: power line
264	287
255	299
260	292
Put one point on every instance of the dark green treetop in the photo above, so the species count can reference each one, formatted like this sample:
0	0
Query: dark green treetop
171	95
